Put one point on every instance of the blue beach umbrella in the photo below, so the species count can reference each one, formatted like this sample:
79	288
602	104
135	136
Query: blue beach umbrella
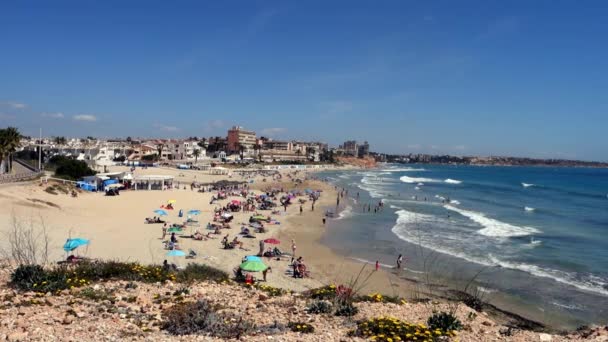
176	253
252	258
160	212
72	244
194	212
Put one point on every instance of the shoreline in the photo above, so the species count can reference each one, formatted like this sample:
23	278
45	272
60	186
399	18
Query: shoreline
124	237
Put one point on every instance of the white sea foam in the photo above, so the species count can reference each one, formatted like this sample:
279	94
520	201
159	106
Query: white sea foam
372	262
452	181
345	213
527	185
412	180
587	284
408	221
529	209
485	290
568	306
407	169
456	202
420	184
416	188
492	227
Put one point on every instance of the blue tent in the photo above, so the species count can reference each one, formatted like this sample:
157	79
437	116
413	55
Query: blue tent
253	258
72	244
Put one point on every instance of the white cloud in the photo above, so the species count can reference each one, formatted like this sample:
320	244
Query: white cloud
16	105
273	131
459	147
414	146
167	128
213	125
53	115
85	117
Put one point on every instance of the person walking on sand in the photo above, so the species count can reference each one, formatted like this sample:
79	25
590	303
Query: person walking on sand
399	261
293	248
264	272
164	231
301	209
377	265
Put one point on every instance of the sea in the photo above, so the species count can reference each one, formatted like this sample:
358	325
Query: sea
530	240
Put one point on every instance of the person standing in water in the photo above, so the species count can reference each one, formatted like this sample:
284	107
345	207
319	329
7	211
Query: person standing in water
399	261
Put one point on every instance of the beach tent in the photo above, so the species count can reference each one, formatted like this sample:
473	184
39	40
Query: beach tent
160	212
253	258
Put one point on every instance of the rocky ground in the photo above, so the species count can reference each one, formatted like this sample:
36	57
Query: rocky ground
123	311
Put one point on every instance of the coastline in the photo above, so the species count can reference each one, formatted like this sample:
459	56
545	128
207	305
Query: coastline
117	232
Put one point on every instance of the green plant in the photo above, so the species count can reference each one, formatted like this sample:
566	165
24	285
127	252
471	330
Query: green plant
379	298
272	291
197	272
346	309
319	307
390	329
325	292
36	278
444	321
25	276
301	327
182	291
201	317
97	295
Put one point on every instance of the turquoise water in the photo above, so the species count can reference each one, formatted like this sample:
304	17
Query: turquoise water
539	234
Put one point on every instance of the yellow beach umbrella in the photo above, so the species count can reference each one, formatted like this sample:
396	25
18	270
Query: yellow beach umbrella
172	201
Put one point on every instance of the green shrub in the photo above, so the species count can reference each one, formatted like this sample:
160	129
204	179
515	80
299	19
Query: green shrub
69	168
444	321
131	271
36	278
391	329
25	276
202	318
346	309
270	290
326	292
301	327
197	272
379	298
319	307
97	295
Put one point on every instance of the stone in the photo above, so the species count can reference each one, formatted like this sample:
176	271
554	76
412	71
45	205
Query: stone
68	320
18	336
545	337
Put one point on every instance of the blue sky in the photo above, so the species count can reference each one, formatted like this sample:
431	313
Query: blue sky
524	78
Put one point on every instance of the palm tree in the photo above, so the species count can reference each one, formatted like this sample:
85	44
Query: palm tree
196	153
10	138
241	150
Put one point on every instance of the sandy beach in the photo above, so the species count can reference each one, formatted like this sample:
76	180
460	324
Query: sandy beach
116	228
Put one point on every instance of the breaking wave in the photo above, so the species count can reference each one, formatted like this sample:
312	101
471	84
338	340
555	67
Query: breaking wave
452	181
412	180
405	229
492	227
